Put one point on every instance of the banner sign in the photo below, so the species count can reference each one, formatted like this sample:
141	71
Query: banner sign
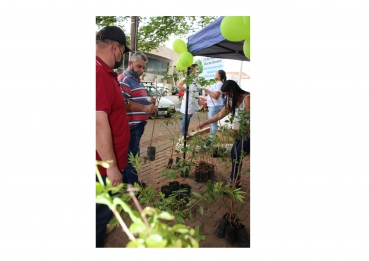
209	66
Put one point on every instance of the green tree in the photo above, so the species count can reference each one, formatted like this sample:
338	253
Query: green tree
102	21
156	30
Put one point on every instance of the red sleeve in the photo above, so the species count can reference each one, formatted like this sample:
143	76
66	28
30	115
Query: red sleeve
103	95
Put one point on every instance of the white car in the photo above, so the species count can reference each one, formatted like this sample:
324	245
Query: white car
166	107
155	89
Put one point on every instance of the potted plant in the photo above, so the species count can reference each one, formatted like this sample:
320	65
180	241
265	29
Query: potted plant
175	137
234	230
151	150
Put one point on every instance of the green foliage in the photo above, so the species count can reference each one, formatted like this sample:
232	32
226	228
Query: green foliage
102	21
135	161
148	228
156	30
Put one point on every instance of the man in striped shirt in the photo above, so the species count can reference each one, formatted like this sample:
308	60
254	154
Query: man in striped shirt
138	106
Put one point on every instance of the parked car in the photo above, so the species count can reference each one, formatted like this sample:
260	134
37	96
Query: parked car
155	89
166	107
175	90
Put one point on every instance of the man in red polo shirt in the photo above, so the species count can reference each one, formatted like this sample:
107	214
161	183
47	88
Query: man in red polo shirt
112	129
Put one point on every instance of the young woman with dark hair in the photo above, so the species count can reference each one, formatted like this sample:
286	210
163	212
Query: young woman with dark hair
237	100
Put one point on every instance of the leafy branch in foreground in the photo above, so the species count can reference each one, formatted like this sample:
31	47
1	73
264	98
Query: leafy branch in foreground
148	228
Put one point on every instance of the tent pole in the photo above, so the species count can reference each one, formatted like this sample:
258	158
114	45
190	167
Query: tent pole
186	118
240	75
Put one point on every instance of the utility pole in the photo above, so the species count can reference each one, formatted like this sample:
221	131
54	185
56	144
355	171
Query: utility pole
134	31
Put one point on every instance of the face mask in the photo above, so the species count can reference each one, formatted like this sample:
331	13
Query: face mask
134	74
118	64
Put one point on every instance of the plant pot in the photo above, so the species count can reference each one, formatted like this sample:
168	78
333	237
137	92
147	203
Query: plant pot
197	176
151	153
211	172
220	229
204	175
174	186
230	234
243	237
166	190
170	163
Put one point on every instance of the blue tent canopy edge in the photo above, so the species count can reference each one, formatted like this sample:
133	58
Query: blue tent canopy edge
209	42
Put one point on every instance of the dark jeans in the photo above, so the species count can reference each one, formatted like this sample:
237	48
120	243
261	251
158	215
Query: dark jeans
129	174
236	155
103	216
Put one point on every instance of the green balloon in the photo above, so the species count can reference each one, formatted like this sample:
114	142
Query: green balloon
246	48
180	67
233	28
179	46
246	20
186	59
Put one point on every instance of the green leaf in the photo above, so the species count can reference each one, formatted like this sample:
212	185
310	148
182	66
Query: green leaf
137	228
201	210
137	243
99	188
103	164
180	219
198	195
117	188
149	211
156	241
178	243
166	216
127	208
194	242
197	230
103	200
190	214
180	228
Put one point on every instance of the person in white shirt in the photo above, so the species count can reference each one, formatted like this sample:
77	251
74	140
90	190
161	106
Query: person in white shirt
192	99
215	99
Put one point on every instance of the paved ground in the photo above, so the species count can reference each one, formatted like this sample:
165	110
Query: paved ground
212	214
